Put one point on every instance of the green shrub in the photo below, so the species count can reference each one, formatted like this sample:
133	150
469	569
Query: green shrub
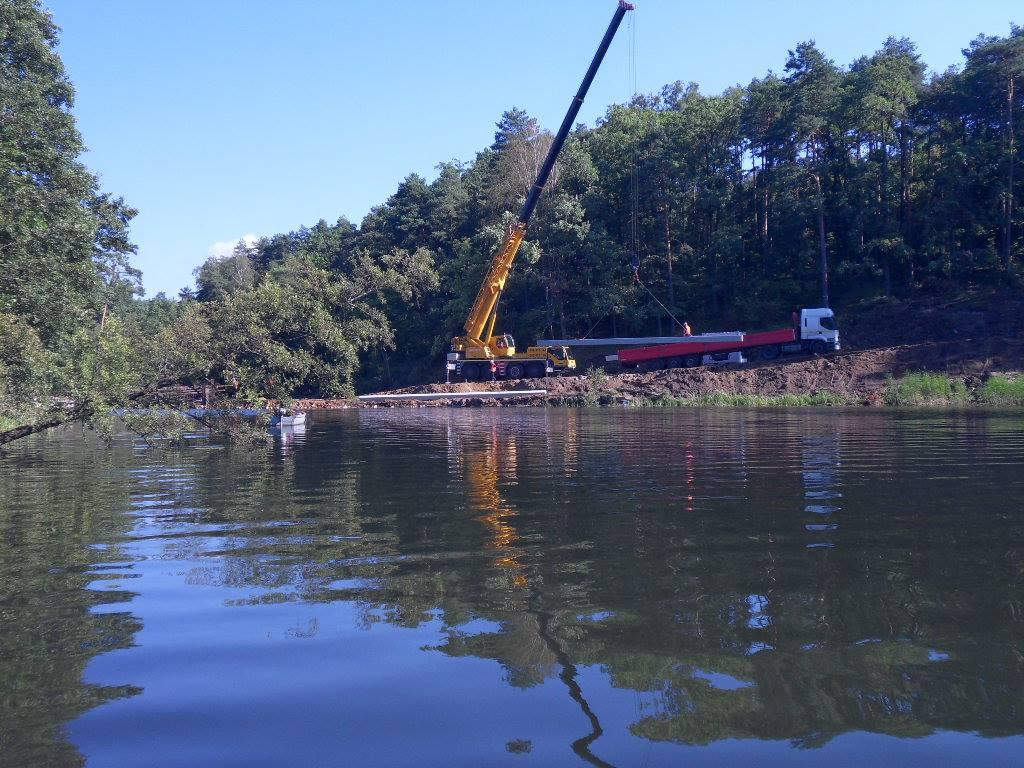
925	389
597	383
1000	390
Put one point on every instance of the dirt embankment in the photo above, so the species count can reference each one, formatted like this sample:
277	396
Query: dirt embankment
970	337
858	375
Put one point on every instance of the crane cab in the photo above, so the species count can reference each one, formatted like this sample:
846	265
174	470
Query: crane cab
502	345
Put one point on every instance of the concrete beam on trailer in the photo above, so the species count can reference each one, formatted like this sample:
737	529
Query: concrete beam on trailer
486	395
642	341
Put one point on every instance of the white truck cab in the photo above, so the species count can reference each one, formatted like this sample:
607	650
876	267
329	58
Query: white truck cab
818	329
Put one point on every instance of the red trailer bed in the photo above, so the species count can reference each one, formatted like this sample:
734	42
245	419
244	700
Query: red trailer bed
684	349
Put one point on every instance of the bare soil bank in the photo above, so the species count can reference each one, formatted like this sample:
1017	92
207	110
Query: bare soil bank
970	336
859	376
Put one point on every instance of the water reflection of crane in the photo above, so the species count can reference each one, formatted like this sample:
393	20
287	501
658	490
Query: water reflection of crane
485	469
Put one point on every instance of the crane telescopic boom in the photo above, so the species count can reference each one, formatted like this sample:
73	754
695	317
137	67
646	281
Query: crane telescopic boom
480	342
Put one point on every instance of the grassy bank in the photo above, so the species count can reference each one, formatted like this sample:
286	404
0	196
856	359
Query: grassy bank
942	390
732	400
912	390
1000	390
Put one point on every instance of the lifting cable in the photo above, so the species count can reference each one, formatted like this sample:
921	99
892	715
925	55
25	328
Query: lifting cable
634	180
658	301
634	185
634	176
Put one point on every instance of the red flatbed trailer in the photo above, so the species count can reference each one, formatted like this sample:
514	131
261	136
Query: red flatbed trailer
685	349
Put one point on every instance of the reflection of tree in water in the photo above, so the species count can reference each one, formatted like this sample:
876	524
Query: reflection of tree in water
482	471
699	589
720	610
51	583
729	619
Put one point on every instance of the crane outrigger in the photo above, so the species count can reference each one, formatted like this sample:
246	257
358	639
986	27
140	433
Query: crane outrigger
473	352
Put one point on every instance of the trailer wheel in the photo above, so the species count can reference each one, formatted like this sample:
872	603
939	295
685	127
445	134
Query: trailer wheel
471	372
535	370
657	364
675	362
817	347
692	361
771	352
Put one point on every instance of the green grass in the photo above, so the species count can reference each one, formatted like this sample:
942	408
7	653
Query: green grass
925	389
914	389
1000	390
728	400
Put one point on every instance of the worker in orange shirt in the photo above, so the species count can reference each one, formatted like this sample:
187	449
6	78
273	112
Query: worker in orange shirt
494	371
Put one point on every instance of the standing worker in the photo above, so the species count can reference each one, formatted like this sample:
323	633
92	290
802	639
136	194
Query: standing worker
494	371
687	331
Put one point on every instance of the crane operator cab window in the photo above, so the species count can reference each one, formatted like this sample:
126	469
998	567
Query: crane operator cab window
505	341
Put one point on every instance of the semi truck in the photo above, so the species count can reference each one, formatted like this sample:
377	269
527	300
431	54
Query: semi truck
815	333
473	352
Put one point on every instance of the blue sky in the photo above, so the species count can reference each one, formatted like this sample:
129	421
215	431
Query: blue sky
225	118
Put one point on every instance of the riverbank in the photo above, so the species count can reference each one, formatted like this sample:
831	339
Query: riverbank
962	372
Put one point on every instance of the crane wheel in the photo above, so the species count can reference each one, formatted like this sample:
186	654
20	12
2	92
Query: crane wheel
514	371
471	372
535	370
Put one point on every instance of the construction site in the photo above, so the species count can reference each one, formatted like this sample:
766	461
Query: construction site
967	340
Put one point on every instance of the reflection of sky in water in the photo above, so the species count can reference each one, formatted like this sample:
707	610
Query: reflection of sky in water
477	627
820	472
759	619
722	681
597	616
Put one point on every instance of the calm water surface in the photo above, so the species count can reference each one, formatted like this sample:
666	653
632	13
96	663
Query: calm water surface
521	587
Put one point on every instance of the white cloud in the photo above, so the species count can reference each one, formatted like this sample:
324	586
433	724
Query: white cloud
226	247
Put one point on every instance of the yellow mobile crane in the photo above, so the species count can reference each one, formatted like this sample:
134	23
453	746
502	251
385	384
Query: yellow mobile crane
472	354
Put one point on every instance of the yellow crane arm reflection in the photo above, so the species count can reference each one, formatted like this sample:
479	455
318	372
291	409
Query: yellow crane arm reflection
482	475
499	460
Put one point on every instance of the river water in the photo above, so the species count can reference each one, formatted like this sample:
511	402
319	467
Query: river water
445	587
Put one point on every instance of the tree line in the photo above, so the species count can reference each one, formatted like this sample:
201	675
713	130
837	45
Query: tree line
819	184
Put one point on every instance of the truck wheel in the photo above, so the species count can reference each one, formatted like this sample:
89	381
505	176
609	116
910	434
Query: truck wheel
471	372
675	362
817	347
692	361
771	352
514	371
535	370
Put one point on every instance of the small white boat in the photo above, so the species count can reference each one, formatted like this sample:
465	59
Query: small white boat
289	419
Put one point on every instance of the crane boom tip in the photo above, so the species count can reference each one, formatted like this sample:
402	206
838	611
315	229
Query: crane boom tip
626	6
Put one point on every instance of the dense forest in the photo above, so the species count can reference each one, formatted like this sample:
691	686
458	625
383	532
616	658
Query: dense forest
819	184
